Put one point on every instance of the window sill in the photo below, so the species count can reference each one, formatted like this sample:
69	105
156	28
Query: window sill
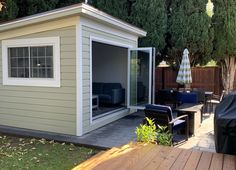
36	82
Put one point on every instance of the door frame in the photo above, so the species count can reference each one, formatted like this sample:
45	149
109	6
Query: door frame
150	97
108	42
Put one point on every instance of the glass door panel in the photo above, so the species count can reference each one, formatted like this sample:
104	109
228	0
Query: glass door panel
140	77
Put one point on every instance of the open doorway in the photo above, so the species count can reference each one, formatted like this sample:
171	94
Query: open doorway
109	79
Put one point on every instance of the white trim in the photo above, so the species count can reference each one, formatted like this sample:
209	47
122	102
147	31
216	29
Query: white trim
109	42
128	80
106	29
105	41
105	118
153	74
150	77
79	79
44	82
99	15
137	107
108	113
91	81
79	9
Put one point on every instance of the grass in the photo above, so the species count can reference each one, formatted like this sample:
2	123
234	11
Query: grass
25	153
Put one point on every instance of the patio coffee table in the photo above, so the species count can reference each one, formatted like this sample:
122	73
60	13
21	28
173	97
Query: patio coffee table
194	112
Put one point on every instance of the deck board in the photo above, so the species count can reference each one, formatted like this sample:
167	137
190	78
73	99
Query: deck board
229	162
181	160
144	161
156	162
135	156
205	161
170	159
193	160
217	162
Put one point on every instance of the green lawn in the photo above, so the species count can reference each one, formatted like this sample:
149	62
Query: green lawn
25	153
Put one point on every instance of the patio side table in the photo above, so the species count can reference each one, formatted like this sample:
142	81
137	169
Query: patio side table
194	112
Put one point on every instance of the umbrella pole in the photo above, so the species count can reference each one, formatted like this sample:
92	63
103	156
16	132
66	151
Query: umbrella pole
187	87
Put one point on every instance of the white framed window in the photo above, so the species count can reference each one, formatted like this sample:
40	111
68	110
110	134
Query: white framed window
31	62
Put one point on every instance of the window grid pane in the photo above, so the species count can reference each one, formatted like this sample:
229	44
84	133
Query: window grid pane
18	62
41	62
34	62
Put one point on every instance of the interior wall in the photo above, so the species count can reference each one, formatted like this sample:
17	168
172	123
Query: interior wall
109	64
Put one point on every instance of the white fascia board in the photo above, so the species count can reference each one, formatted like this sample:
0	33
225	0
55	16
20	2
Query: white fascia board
80	9
46	16
99	15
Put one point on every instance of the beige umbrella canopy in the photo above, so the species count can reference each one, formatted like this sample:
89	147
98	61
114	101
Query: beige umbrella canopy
184	75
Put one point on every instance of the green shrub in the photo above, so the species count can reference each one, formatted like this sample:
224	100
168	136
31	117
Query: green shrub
164	137
149	133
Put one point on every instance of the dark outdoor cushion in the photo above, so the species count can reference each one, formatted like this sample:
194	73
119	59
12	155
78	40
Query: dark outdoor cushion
165	96
104	98
200	95
108	87
160	108
98	88
179	124
109	93
188	97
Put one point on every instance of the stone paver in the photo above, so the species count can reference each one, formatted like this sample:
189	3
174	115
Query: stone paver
204	138
115	134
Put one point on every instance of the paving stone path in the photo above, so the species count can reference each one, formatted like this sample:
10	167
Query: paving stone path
204	138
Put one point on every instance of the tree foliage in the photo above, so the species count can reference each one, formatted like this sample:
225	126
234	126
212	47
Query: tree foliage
10	11
189	26
151	16
187	21
37	6
63	3
224	24
113	7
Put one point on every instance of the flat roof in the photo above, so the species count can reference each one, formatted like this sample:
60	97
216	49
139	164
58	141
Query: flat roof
77	9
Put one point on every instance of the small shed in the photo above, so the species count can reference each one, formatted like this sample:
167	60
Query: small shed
71	70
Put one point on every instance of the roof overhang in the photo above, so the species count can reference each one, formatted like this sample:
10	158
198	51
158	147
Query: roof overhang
78	9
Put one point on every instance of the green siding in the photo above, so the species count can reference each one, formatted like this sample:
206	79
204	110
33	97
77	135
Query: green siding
41	108
87	32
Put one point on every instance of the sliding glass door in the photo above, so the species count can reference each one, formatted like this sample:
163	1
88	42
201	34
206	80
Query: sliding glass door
140	77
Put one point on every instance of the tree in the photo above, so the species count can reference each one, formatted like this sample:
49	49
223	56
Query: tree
151	15
63	3
116	8
189	26
37	6
224	23
23	7
10	10
1	5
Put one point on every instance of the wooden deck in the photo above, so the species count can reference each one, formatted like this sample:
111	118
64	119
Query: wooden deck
149	157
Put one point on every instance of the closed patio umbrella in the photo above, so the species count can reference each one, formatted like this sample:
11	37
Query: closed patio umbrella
184	75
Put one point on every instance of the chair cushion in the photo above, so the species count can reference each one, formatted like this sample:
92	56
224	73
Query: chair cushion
97	88
188	97
107	87
104	98
161	108
178	124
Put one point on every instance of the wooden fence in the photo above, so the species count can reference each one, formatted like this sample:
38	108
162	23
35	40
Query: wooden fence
208	78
